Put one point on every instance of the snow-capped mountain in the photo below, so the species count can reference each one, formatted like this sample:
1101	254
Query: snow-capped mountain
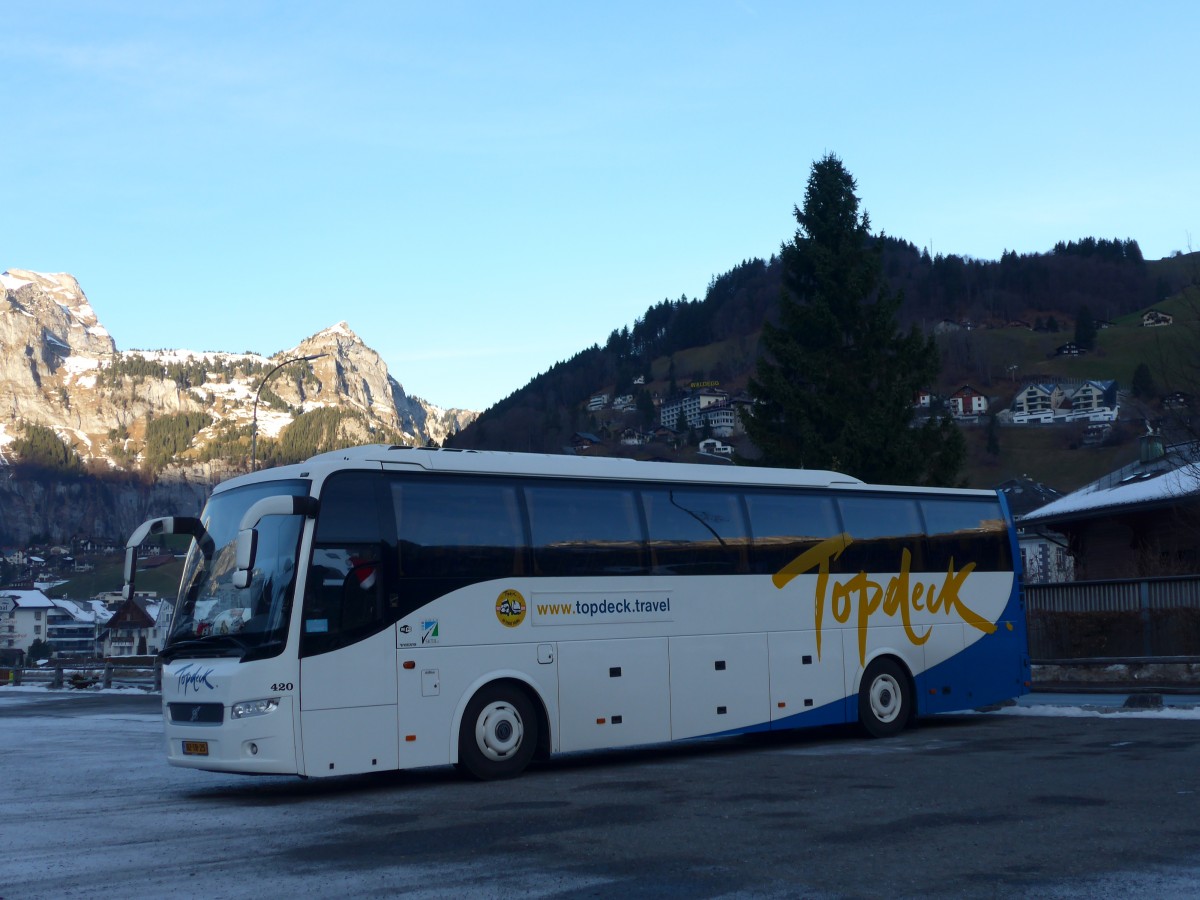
60	368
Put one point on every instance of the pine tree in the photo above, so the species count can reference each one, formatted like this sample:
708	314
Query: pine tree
835	387
1085	329
1143	382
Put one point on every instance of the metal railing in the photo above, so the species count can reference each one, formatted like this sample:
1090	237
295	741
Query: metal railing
1143	617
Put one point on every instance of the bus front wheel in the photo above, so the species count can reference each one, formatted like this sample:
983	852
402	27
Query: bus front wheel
885	699
499	733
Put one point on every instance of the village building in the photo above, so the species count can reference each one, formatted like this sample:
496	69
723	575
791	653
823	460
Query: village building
691	405
133	629
1141	520
27	616
1091	401
967	402
1094	401
1153	318
1045	554
1037	403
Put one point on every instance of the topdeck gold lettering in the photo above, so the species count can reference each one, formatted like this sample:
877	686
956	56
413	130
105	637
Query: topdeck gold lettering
859	597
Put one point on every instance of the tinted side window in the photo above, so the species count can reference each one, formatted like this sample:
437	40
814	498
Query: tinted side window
580	529
351	589
454	532
966	531
695	531
881	527
785	524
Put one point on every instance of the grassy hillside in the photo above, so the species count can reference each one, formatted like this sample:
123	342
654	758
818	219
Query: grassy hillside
109	576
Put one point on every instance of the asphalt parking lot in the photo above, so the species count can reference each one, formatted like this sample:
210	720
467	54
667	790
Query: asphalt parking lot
1032	801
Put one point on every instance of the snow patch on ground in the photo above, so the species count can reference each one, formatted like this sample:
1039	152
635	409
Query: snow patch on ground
166	357
77	365
1081	712
11	282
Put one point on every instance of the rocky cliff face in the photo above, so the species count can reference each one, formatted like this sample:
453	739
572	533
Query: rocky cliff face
57	510
60	368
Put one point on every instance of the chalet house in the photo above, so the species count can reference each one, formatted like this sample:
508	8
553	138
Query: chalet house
1152	318
1094	401
597	402
582	441
1141	520
668	436
132	630
632	437
1037	403
966	402
924	399
713	446
1069	349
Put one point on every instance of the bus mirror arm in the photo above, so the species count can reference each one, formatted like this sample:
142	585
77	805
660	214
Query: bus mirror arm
163	525
247	538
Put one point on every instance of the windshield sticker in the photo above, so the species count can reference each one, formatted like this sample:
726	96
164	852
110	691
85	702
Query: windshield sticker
871	597
316	626
429	632
510	609
192	676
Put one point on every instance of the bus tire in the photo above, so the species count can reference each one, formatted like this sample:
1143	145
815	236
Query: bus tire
499	733
885	699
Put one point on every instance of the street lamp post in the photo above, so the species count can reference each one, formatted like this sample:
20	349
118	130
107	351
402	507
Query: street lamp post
254	417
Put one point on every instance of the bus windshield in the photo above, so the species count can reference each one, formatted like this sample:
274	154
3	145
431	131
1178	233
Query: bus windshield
214	618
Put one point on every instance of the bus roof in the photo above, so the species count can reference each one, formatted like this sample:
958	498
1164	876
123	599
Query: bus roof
495	462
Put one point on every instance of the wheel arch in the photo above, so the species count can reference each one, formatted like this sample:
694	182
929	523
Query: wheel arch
906	667
511	678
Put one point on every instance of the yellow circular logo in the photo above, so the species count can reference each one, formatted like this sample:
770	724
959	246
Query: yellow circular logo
510	609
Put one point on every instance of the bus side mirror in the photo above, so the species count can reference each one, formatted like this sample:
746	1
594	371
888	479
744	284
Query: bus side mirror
246	551
164	525
247	538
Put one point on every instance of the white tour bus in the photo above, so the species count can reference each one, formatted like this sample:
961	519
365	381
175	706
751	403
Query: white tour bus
386	607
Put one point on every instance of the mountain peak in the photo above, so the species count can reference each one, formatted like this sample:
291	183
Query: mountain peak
341	329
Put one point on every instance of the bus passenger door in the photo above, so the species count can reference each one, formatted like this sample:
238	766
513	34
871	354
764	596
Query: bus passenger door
348	664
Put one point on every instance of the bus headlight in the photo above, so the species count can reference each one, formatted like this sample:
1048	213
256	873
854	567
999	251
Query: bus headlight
248	708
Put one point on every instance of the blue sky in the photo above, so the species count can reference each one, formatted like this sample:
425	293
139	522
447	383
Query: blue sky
482	189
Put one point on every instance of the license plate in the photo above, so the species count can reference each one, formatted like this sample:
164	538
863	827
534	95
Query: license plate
195	748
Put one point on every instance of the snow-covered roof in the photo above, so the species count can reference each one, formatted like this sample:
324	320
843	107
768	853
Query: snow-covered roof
28	599
93	611
1135	485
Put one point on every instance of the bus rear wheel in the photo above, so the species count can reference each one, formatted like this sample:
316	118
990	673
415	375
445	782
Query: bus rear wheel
499	733
885	699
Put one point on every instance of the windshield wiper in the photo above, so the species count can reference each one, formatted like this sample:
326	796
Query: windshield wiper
214	645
